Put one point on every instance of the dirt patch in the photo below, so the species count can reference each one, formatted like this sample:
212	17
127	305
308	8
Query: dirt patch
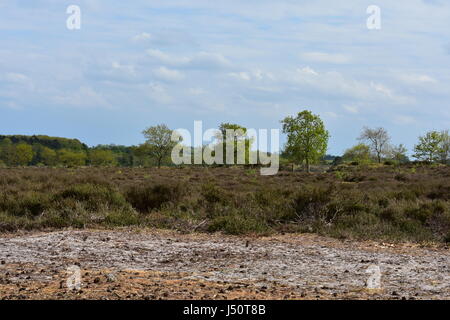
167	265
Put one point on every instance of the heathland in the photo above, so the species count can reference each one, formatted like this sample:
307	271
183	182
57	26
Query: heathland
409	202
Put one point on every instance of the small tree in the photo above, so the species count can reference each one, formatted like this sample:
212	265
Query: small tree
445	147
71	158
48	156
378	139
98	157
429	147
307	139
237	134
159	142
7	151
359	153
23	154
398	153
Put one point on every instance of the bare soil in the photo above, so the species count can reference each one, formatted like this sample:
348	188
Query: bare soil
150	264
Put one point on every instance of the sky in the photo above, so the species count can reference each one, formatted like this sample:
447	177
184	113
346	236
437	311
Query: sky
135	64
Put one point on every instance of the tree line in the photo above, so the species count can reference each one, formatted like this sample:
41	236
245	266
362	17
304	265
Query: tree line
307	144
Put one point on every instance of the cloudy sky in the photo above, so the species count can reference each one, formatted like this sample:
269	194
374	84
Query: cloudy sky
138	63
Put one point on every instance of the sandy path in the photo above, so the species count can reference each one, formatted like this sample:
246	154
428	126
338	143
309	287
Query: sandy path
216	266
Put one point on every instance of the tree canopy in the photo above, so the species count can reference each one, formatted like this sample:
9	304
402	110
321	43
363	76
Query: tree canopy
307	138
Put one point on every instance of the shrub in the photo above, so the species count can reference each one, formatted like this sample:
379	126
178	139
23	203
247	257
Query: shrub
122	218
148	197
92	196
237	223
212	194
311	203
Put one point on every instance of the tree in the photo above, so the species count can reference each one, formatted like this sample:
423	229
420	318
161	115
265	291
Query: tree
398	153
23	154
429	147
159	142
48	156
71	158
307	139
237	134
378	139
6	151
359	153
98	157
445	147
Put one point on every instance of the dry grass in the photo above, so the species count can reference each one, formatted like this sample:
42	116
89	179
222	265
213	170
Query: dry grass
407	203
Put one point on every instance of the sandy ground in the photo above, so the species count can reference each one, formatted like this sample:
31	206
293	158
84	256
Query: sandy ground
167	265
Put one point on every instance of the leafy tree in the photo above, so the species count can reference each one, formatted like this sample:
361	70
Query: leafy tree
429	147
445	147
48	156
237	134
398	153
122	154
55	143
6	151
359	153
99	157
378	139
71	158
159	144
307	139
23	154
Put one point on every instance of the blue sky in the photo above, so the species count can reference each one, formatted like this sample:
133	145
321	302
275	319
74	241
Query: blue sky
138	63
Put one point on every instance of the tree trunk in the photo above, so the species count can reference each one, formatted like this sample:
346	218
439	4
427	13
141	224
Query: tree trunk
308	169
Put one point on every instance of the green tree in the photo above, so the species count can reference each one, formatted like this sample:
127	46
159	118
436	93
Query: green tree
23	154
99	157
71	158
48	156
445	147
359	153
158	144
429	147
7	151
378	139
398	153
307	139
237	134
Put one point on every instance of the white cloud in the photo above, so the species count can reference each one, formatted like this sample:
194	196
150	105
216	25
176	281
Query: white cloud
331	114
83	97
167	74
417	79
16	77
167	58
404	120
255	75
381	89
308	71
144	36
129	69
158	93
240	75
196	91
334	58
201	60
351	109
13	78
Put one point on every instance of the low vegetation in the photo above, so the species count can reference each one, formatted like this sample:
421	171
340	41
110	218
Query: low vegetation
393	202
